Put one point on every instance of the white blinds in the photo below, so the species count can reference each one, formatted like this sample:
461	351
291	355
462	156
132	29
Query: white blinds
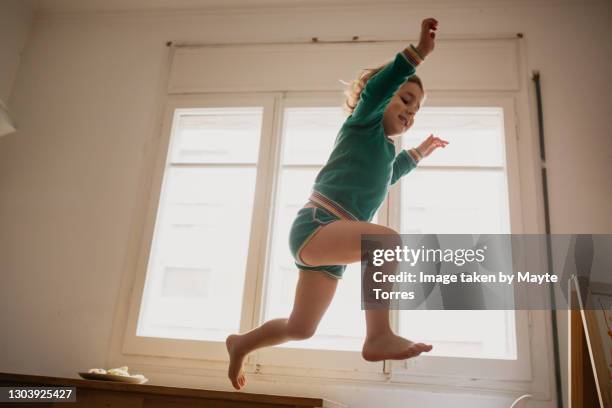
474	65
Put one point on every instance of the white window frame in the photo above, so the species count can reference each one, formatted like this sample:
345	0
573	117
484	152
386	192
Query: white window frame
297	361
181	348
174	356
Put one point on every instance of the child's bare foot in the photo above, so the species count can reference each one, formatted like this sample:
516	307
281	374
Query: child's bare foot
234	372
391	347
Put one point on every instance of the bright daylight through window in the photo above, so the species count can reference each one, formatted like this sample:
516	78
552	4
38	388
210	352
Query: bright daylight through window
196	272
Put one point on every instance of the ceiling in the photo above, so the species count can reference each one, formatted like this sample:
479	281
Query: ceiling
130	5
63	6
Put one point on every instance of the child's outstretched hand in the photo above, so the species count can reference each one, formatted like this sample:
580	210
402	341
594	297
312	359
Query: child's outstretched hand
428	35
430	144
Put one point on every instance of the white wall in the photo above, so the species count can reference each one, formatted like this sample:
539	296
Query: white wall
15	22
86	98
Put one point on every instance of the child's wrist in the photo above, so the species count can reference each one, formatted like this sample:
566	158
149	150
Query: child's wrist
420	52
421	155
413	55
415	154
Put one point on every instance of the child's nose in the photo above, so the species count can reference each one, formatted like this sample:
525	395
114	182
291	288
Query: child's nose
410	108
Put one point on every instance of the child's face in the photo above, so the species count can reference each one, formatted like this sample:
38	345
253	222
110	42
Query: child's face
399	113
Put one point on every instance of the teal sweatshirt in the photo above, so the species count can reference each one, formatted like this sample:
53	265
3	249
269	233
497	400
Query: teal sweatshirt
363	164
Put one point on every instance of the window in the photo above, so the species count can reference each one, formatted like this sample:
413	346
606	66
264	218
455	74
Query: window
308	139
457	190
289	138
198	268
460	189
308	132
463	189
195	280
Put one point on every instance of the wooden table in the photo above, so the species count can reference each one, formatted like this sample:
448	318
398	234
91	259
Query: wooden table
107	394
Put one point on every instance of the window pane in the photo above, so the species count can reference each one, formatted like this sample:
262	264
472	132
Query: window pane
195	277
455	202
473	133
459	201
309	134
308	139
216	135
463	333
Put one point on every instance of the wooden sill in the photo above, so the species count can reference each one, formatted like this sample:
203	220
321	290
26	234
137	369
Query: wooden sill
91	393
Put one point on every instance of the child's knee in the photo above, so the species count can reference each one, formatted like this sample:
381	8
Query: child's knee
300	332
385	238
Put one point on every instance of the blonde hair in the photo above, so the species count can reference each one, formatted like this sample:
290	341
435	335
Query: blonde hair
355	87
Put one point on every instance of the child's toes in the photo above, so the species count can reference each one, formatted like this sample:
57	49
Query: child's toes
413	351
425	347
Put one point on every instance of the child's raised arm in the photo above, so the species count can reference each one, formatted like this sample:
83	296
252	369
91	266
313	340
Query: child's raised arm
428	36
379	90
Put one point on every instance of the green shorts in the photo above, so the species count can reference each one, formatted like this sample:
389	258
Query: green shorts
307	222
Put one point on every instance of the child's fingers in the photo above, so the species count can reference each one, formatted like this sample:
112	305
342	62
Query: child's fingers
430	144
433	139
429	26
439	143
429	23
438	140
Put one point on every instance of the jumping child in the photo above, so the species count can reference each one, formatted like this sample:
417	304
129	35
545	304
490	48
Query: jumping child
326	234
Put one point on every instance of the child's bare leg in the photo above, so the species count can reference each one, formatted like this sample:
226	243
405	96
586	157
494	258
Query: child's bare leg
345	239
313	294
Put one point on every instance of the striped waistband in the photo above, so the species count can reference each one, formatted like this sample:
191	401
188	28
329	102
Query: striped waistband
331	206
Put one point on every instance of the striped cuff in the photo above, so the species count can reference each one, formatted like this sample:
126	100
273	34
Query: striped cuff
412	56
415	155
